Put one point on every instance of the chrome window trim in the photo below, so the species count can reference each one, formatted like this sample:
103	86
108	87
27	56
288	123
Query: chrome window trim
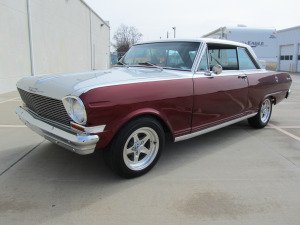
256	64
203	51
198	57
226	72
254	71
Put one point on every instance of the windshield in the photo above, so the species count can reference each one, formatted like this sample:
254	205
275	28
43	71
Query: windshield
170	55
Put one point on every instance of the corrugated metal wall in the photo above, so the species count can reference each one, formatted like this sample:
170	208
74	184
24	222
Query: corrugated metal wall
67	36
289	50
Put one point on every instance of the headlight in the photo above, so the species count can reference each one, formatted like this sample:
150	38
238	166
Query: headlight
75	109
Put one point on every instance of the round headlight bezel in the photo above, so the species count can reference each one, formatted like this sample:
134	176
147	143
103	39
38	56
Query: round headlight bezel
69	103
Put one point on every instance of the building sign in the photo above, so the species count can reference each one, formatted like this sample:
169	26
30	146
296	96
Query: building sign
254	44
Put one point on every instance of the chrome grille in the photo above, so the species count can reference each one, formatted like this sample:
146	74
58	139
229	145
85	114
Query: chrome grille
46	107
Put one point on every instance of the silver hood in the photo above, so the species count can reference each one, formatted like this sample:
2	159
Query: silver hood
60	85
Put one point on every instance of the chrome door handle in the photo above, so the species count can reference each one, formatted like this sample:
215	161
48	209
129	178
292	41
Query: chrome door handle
242	76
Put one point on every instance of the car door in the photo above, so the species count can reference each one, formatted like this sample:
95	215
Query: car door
222	97
260	81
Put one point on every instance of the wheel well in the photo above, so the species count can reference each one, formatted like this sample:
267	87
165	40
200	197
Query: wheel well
273	99
167	130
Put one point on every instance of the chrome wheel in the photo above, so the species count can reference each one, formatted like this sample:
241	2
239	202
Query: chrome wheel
141	148
265	110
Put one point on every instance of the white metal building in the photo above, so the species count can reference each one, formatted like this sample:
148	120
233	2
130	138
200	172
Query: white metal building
57	36
289	49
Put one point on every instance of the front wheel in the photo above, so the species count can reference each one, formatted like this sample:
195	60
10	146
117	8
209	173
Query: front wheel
136	148
263	116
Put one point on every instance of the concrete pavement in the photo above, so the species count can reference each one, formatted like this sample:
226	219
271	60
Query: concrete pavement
236	175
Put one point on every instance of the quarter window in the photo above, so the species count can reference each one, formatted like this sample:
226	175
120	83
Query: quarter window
203	66
245	62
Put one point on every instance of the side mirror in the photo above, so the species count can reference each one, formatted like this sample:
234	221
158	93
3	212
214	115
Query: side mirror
217	69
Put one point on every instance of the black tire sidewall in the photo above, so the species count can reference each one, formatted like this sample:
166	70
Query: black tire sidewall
256	121
117	146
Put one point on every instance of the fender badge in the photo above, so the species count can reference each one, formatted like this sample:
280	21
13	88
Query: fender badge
34	90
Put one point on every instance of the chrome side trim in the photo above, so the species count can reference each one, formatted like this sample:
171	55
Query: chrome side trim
82	144
90	130
95	130
207	130
227	73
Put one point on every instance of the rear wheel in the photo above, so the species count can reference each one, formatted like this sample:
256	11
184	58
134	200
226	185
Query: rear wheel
262	118
136	148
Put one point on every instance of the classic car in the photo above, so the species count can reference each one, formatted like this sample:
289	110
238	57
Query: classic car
175	89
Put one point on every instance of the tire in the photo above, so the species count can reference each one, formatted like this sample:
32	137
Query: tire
261	119
136	148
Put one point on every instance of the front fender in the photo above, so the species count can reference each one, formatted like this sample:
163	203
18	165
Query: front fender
170	101
113	128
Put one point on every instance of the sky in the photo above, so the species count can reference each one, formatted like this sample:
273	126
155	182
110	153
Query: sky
194	18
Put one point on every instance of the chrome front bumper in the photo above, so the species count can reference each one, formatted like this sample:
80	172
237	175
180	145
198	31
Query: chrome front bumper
82	144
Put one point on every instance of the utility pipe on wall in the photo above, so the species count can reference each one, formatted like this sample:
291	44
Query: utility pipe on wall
30	38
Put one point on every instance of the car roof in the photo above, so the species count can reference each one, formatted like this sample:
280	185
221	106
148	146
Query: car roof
205	40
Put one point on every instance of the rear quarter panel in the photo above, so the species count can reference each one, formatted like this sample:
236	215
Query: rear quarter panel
114	106
266	84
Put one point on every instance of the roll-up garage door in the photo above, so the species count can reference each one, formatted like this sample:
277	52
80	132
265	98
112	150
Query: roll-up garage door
286	58
298	61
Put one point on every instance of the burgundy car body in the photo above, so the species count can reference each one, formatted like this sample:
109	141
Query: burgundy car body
183	105
186	104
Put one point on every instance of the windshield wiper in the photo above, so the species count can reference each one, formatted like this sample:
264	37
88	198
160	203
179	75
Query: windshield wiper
150	64
121	64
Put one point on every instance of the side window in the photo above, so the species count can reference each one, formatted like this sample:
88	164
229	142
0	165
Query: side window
203	66
227	58
245	61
